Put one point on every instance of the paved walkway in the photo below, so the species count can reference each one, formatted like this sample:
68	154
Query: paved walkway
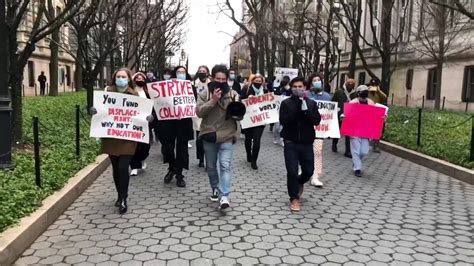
399	213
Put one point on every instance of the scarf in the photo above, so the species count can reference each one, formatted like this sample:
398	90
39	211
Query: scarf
348	95
257	91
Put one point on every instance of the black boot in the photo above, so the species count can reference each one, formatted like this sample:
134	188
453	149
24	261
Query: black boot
254	165
117	203
201	163
249	158
169	176
334	147
180	180
123	206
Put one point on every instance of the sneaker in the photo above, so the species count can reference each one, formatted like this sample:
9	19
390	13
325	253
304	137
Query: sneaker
215	194
143	165
295	205
275	142
316	182
134	172
358	173
201	163
224	203
189	145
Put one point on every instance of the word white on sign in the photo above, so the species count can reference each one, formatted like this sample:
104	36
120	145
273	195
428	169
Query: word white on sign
174	99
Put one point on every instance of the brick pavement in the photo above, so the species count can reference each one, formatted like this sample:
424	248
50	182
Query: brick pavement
399	213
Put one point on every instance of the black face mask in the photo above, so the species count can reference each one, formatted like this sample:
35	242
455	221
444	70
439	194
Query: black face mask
223	86
364	94
202	76
284	83
140	83
349	88
257	85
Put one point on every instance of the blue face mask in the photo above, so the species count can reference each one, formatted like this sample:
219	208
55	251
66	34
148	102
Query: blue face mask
121	82
297	93
181	76
318	84
232	77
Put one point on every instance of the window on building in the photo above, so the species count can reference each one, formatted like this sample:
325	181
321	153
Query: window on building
431	87
68	75
361	77
409	79
468	84
31	73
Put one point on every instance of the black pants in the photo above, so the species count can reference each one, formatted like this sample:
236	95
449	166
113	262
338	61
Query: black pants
199	147
252	141
42	89
347	143
179	161
120	173
298	154
141	153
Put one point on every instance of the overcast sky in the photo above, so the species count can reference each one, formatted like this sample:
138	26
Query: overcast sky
205	42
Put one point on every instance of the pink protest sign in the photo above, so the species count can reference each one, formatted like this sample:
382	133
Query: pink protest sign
362	121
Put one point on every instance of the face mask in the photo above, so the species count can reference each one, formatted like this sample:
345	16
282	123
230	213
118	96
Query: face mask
349	88
231	77
181	76
150	75
202	76
297	93
364	94
318	85
166	77
121	83
223	86
257	85
140	83
283	83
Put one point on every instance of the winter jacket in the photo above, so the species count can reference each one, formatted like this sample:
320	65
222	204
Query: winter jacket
340	97
377	95
298	125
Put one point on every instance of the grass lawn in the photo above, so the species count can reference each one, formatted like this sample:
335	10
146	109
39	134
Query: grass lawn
19	195
441	137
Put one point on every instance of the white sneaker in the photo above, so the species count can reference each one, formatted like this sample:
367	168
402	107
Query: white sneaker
315	182
134	172
275	142
189	145
143	165
224	203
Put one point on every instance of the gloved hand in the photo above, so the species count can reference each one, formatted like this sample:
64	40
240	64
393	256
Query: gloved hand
150	118
304	106
93	111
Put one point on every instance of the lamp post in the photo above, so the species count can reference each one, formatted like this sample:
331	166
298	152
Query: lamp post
338	64
5	109
285	34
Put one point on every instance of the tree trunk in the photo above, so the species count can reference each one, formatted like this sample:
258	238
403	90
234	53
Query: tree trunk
78	74
89	86
440	21
386	55
54	64
261	55
355	40
15	83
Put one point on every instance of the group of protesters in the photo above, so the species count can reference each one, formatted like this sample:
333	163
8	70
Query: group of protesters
216	128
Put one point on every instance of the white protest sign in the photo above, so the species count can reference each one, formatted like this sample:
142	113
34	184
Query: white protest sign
121	116
281	72
174	99
329	126
261	110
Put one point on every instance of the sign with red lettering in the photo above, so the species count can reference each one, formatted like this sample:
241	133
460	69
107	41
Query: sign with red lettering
362	121
261	110
329	126
121	116
174	99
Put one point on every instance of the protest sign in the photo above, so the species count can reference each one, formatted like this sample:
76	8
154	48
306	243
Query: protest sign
281	72
329	126
383	106
261	110
174	99
362	121
121	116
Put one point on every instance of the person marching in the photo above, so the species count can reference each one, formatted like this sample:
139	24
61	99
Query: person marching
316	93
298	116
342	96
377	96
253	135
201	82
234	82
175	134
120	151
220	109
360	146
167	74
42	81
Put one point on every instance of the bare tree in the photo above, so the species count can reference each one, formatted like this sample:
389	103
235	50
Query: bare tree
18	14
456	5
443	34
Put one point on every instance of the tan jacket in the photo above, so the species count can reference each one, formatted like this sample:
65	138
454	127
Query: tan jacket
118	147
377	95
213	116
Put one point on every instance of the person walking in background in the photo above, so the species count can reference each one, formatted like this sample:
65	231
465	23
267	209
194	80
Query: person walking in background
42	81
174	135
342	96
253	135
284	88
317	93
166	74
234	82
377	96
150	76
219	129
201	82
298	116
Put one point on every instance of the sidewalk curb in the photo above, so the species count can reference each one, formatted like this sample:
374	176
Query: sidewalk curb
14	241
455	171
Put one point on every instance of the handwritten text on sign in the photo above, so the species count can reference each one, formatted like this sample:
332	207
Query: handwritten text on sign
121	116
174	99
281	72
261	110
329	126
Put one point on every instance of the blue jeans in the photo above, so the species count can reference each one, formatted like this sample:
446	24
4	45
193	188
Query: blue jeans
359	149
223	152
298	154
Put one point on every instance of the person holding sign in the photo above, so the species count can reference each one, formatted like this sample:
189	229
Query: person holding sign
120	151
316	93
298	116
175	134
200	83
219	109
253	135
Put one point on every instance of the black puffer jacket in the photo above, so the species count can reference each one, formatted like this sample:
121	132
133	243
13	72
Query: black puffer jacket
298	125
